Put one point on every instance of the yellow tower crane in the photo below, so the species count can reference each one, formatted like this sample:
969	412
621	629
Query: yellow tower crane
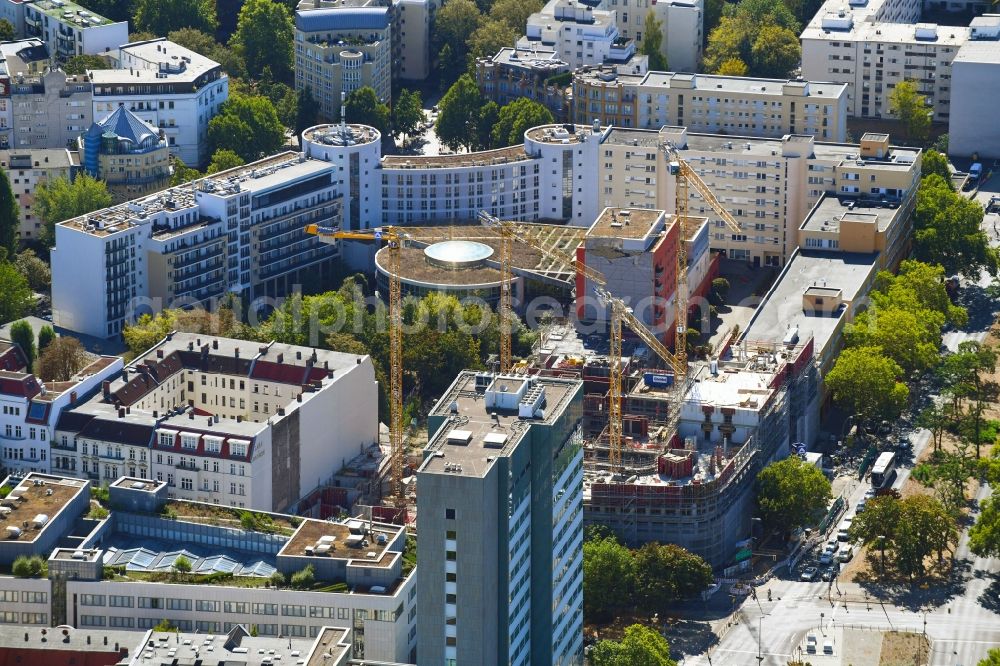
620	313
686	175
394	237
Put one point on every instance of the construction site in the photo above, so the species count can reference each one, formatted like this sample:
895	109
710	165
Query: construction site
671	448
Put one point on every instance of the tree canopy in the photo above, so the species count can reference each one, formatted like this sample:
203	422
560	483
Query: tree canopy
515	13
22	333
665	573
948	230
992	658
248	126
910	107
791	493
60	199
652	42
608	577
79	64
936	163
7	31
224	159
15	294
759	33
161	16
641	646
264	37
407	112
10	216
491	36
306	111
458	121
909	530
516	118
61	359
866	382
363	106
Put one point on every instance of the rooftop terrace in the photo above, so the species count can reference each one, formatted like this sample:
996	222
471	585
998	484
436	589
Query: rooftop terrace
68	11
481	158
351	541
33	504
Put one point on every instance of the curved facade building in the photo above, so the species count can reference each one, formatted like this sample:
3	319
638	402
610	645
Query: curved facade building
461	268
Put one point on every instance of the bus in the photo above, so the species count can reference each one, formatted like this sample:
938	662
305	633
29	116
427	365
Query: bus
884	470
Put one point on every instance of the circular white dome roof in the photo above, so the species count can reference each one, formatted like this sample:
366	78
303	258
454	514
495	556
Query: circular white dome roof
458	253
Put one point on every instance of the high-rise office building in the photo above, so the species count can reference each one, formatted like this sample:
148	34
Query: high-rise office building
499	515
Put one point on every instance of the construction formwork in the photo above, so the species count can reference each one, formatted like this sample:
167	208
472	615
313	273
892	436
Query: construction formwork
706	513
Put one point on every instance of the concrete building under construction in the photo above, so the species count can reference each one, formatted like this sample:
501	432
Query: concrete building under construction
692	451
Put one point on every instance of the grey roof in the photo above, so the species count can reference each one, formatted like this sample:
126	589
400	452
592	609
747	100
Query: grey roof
343	18
126	125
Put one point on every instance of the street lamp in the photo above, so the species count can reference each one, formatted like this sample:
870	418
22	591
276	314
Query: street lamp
821	616
760	636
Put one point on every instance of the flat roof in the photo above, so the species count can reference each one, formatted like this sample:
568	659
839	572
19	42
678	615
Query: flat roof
313	533
58	9
137	484
535	59
740	84
567	133
39	158
43	500
334	641
632	137
882	31
480	158
730	388
170	648
63	639
162	50
978	51
488	437
634	223
781	309
828	212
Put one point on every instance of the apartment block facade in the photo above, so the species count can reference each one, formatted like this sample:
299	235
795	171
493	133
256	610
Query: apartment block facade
710	103
537	74
224	421
681	22
26	170
768	185
579	34
238	231
340	47
169	87
500	517
67	28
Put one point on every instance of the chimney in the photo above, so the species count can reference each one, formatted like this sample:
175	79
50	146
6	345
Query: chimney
298	398
239	418
326	365
281	358
156	414
237	352
298	355
159	353
121	412
215	344
72	397
210	420
281	411
191	415
125	375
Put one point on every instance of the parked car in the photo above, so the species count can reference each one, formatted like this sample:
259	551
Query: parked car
808	574
861	506
904	445
870	493
846	553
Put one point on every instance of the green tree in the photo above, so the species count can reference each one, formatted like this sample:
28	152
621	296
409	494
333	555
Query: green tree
876	526
10	217
363	106
791	493
652	41
911	530
306	111
161	16
79	64
490	37
277	579
182	565
264	37
165	626
935	419
15	294
46	335
865	382
450	66
641	646
58	200
608	577
181	173
454	24
910	338
205	44
407	112
992	658
713	14
248	126
963	374
489	116
935	162
918	286
910	108
458	121
7	31
741	28
732	67
665	573
304	578
949	232
62	359
22	333
224	159
775	52
515	13
515	119
984	535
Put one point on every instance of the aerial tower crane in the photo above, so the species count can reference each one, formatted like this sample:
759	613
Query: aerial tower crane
685	175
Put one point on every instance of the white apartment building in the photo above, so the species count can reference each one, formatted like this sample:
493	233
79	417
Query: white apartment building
343	46
579	34
26	170
411	33
975	70
40	107
711	103
238	231
67	28
682	24
169	87
30	409
373	593
226	421
768	185
872	46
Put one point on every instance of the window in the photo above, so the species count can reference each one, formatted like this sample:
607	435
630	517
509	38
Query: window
207	605
122	622
8	596
120	601
88	620
237	607
293	610
36	597
178	604
449	514
150	602
265	609
8	617
91	599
